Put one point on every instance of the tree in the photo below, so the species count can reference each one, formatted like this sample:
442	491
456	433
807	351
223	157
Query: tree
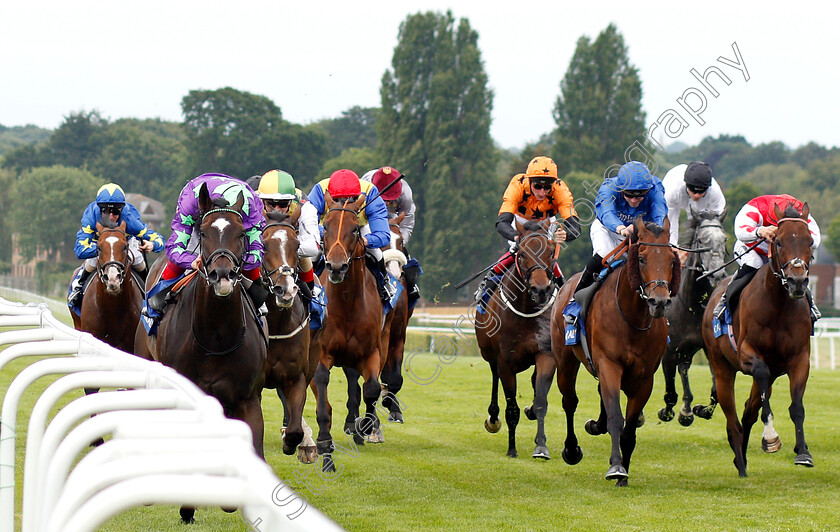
360	160
832	238
599	111
46	206
435	128
356	128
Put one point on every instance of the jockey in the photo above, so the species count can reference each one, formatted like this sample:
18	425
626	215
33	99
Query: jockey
535	195
110	202
755	220
632	192
373	219
399	199
182	248
278	193
691	188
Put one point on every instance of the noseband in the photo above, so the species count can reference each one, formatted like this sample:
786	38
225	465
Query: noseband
221	252
122	267
795	262
356	231
285	270
526	276
642	289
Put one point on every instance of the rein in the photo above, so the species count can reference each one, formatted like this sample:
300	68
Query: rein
337	242
795	262
122	267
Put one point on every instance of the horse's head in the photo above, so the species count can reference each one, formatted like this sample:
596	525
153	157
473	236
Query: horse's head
222	238
394	252
280	238
652	265
791	250
113	259
342	235
711	235
535	259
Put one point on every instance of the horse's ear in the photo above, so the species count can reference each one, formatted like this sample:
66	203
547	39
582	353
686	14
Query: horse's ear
666	225
778	213
399	219
204	202
359	203
329	201
295	216
519	227
99	227
240	202
639	224
806	211
122	226
722	215
676	275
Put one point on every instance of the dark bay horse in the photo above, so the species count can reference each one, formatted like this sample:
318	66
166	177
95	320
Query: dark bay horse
356	333
506	333
112	302
685	315
772	328
626	333
291	362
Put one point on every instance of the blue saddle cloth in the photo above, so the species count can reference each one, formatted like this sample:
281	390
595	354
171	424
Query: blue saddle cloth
397	288
484	300
317	308
575	328
149	316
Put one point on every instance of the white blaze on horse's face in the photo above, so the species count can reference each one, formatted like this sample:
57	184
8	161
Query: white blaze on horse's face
220	224
112	273
287	281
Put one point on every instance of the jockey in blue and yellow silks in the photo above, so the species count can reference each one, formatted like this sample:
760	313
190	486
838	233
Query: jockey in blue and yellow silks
110	202
373	219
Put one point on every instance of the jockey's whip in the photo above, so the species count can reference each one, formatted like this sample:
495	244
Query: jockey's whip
473	276
389	185
736	257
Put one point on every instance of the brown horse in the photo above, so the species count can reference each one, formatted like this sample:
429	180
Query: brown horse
291	361
356	331
506	333
772	330
626	333
112	302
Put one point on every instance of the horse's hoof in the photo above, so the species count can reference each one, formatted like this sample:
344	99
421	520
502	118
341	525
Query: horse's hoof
541	451
358	439
804	459
229	510
327	464
703	411
572	457
396	417
616	472
591	428
287	449
771	446
641	421
492	427
686	420
375	437
512	453
307	455
187	515
666	414
529	413
621	483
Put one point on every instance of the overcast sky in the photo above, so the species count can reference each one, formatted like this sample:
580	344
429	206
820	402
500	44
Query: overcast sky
315	59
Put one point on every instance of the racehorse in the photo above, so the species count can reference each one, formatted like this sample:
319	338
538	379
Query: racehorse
506	333
357	333
211	334
771	327
685	315
626	334
112	302
291	361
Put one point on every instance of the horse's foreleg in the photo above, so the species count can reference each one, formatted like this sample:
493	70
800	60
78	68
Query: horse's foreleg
760	398
798	374
493	423
508	378
669	371
392	381
354	399
686	416
252	415
285	407
370	393
706	412
296	397
542	377
324	443
566	378
635	403
725	386
599	426
610	398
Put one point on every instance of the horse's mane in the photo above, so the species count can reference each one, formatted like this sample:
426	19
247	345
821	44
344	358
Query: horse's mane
791	211
650	226
107	222
532	225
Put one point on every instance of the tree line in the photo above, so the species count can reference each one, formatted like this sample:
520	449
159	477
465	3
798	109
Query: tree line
433	124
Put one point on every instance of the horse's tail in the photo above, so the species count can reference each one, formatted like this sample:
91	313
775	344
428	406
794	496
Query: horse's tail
544	332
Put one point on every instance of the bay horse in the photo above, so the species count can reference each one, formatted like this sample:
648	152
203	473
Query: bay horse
685	315
356	333
626	334
211	334
291	360
506	333
110	309
772	328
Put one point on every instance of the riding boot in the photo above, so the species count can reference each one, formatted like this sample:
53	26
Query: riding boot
77	286
386	291
815	311
258	294
305	290
592	269
411	277
733	292
487	286
144	273
158	301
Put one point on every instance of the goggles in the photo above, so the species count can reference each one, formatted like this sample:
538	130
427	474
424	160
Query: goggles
634	193
696	190
542	185
277	204
109	208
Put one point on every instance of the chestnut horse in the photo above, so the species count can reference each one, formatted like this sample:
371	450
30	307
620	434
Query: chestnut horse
356	333
113	299
506	333
291	359
685	316
626	333
772	328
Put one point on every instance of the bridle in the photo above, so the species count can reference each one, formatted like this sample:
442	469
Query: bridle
122	266
356	232
285	270
642	289
526	276
221	252
795	262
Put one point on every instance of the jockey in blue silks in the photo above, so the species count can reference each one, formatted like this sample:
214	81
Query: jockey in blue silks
632	192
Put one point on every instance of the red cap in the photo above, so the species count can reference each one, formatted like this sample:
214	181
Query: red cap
344	184
384	177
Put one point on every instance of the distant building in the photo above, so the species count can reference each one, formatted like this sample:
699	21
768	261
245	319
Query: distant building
151	211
